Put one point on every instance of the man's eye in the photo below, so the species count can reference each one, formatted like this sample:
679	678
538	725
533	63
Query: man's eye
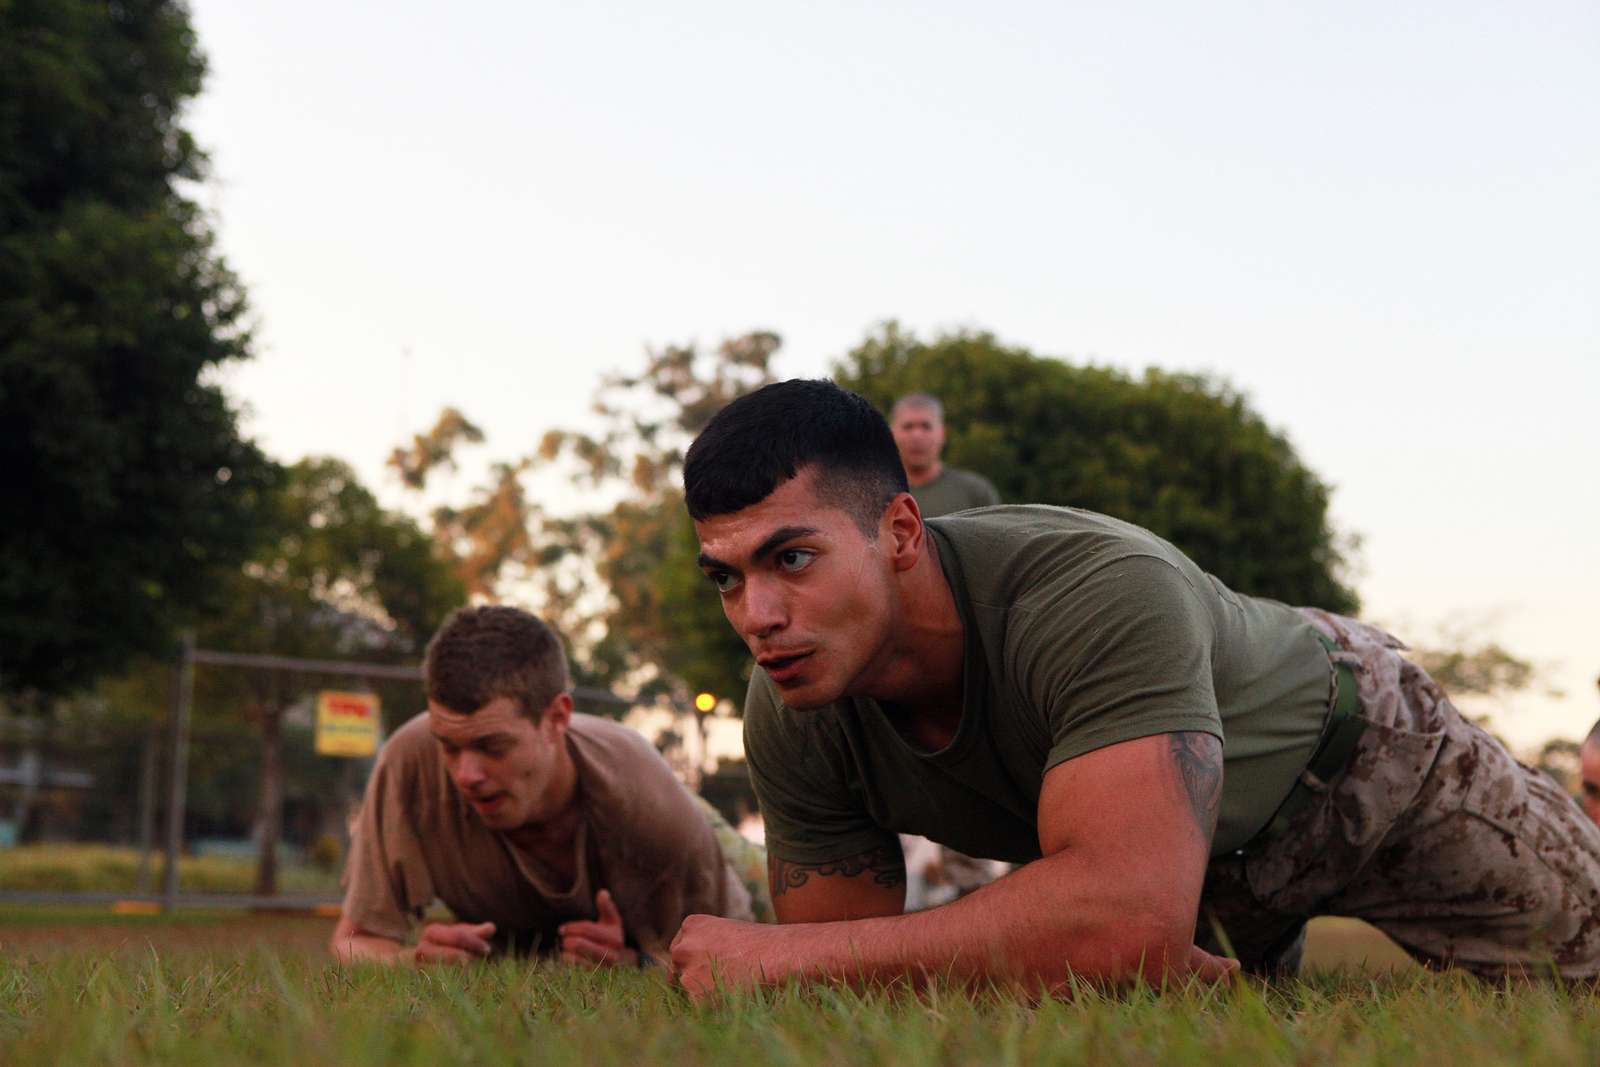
795	559
725	581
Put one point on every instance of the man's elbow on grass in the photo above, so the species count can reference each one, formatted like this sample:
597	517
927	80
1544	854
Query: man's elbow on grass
350	944
341	944
1132	941
1154	957
1154	946
1148	947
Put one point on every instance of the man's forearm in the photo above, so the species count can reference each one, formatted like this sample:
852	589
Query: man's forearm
1036	927
353	945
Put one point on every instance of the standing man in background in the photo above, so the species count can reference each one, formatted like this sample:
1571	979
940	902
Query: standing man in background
917	420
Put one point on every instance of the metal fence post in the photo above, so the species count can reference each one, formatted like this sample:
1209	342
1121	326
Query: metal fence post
147	810
182	698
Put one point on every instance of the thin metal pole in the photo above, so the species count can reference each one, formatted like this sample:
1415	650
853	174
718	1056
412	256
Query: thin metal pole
700	722
398	672
312	666
147	810
182	698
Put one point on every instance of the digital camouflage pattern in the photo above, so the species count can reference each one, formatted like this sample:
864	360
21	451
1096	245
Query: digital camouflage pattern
745	860
1433	833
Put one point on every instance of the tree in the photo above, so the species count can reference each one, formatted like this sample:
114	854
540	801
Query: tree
338	577
1476	670
1562	759
128	487
1182	455
619	581
1468	666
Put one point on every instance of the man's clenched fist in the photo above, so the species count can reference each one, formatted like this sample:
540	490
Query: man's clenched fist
710	951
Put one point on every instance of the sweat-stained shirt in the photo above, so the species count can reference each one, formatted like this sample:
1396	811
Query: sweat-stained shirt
1081	631
642	837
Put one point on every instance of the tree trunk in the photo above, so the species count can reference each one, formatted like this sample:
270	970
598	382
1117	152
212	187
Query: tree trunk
269	803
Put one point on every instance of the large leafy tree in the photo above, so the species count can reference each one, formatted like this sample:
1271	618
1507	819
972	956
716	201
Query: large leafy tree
619	580
1182	455
127	485
337	577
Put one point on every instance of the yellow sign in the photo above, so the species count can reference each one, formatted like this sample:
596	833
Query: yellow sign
704	702
347	723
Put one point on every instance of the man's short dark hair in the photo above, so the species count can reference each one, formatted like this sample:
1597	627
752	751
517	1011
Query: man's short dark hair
766	437
481	654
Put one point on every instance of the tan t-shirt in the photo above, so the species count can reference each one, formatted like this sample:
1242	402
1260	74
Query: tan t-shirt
642	837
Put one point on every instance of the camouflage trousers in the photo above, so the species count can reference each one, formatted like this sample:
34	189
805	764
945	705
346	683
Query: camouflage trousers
745	860
1432	833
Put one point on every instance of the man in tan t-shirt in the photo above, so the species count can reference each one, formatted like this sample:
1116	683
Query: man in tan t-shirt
541	830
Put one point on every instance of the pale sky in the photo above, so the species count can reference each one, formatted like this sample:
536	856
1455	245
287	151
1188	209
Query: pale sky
1380	220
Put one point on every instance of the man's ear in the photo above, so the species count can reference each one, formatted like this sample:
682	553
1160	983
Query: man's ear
558	713
902	531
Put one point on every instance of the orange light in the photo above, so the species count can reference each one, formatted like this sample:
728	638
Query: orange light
704	702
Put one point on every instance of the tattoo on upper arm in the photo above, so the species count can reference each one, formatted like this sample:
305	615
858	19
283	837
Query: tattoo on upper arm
1199	760
886	864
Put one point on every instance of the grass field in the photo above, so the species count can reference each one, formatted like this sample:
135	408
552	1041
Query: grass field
230	988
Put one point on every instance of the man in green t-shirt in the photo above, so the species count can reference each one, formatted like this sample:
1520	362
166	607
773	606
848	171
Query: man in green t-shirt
917	420
1168	760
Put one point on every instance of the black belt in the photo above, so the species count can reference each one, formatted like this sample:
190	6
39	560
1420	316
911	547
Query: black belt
1339	736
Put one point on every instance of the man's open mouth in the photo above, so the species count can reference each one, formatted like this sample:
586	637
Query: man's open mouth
781	668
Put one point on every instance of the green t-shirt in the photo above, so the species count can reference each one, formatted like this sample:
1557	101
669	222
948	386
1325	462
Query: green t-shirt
1081	632
954	490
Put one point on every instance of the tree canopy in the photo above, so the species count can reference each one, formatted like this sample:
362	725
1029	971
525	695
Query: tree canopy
128	486
618	580
1182	455
335	577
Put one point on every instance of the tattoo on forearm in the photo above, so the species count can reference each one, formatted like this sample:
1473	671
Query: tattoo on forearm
886	864
1199	760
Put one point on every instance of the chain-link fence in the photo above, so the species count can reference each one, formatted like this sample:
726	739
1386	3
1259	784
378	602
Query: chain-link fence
257	813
